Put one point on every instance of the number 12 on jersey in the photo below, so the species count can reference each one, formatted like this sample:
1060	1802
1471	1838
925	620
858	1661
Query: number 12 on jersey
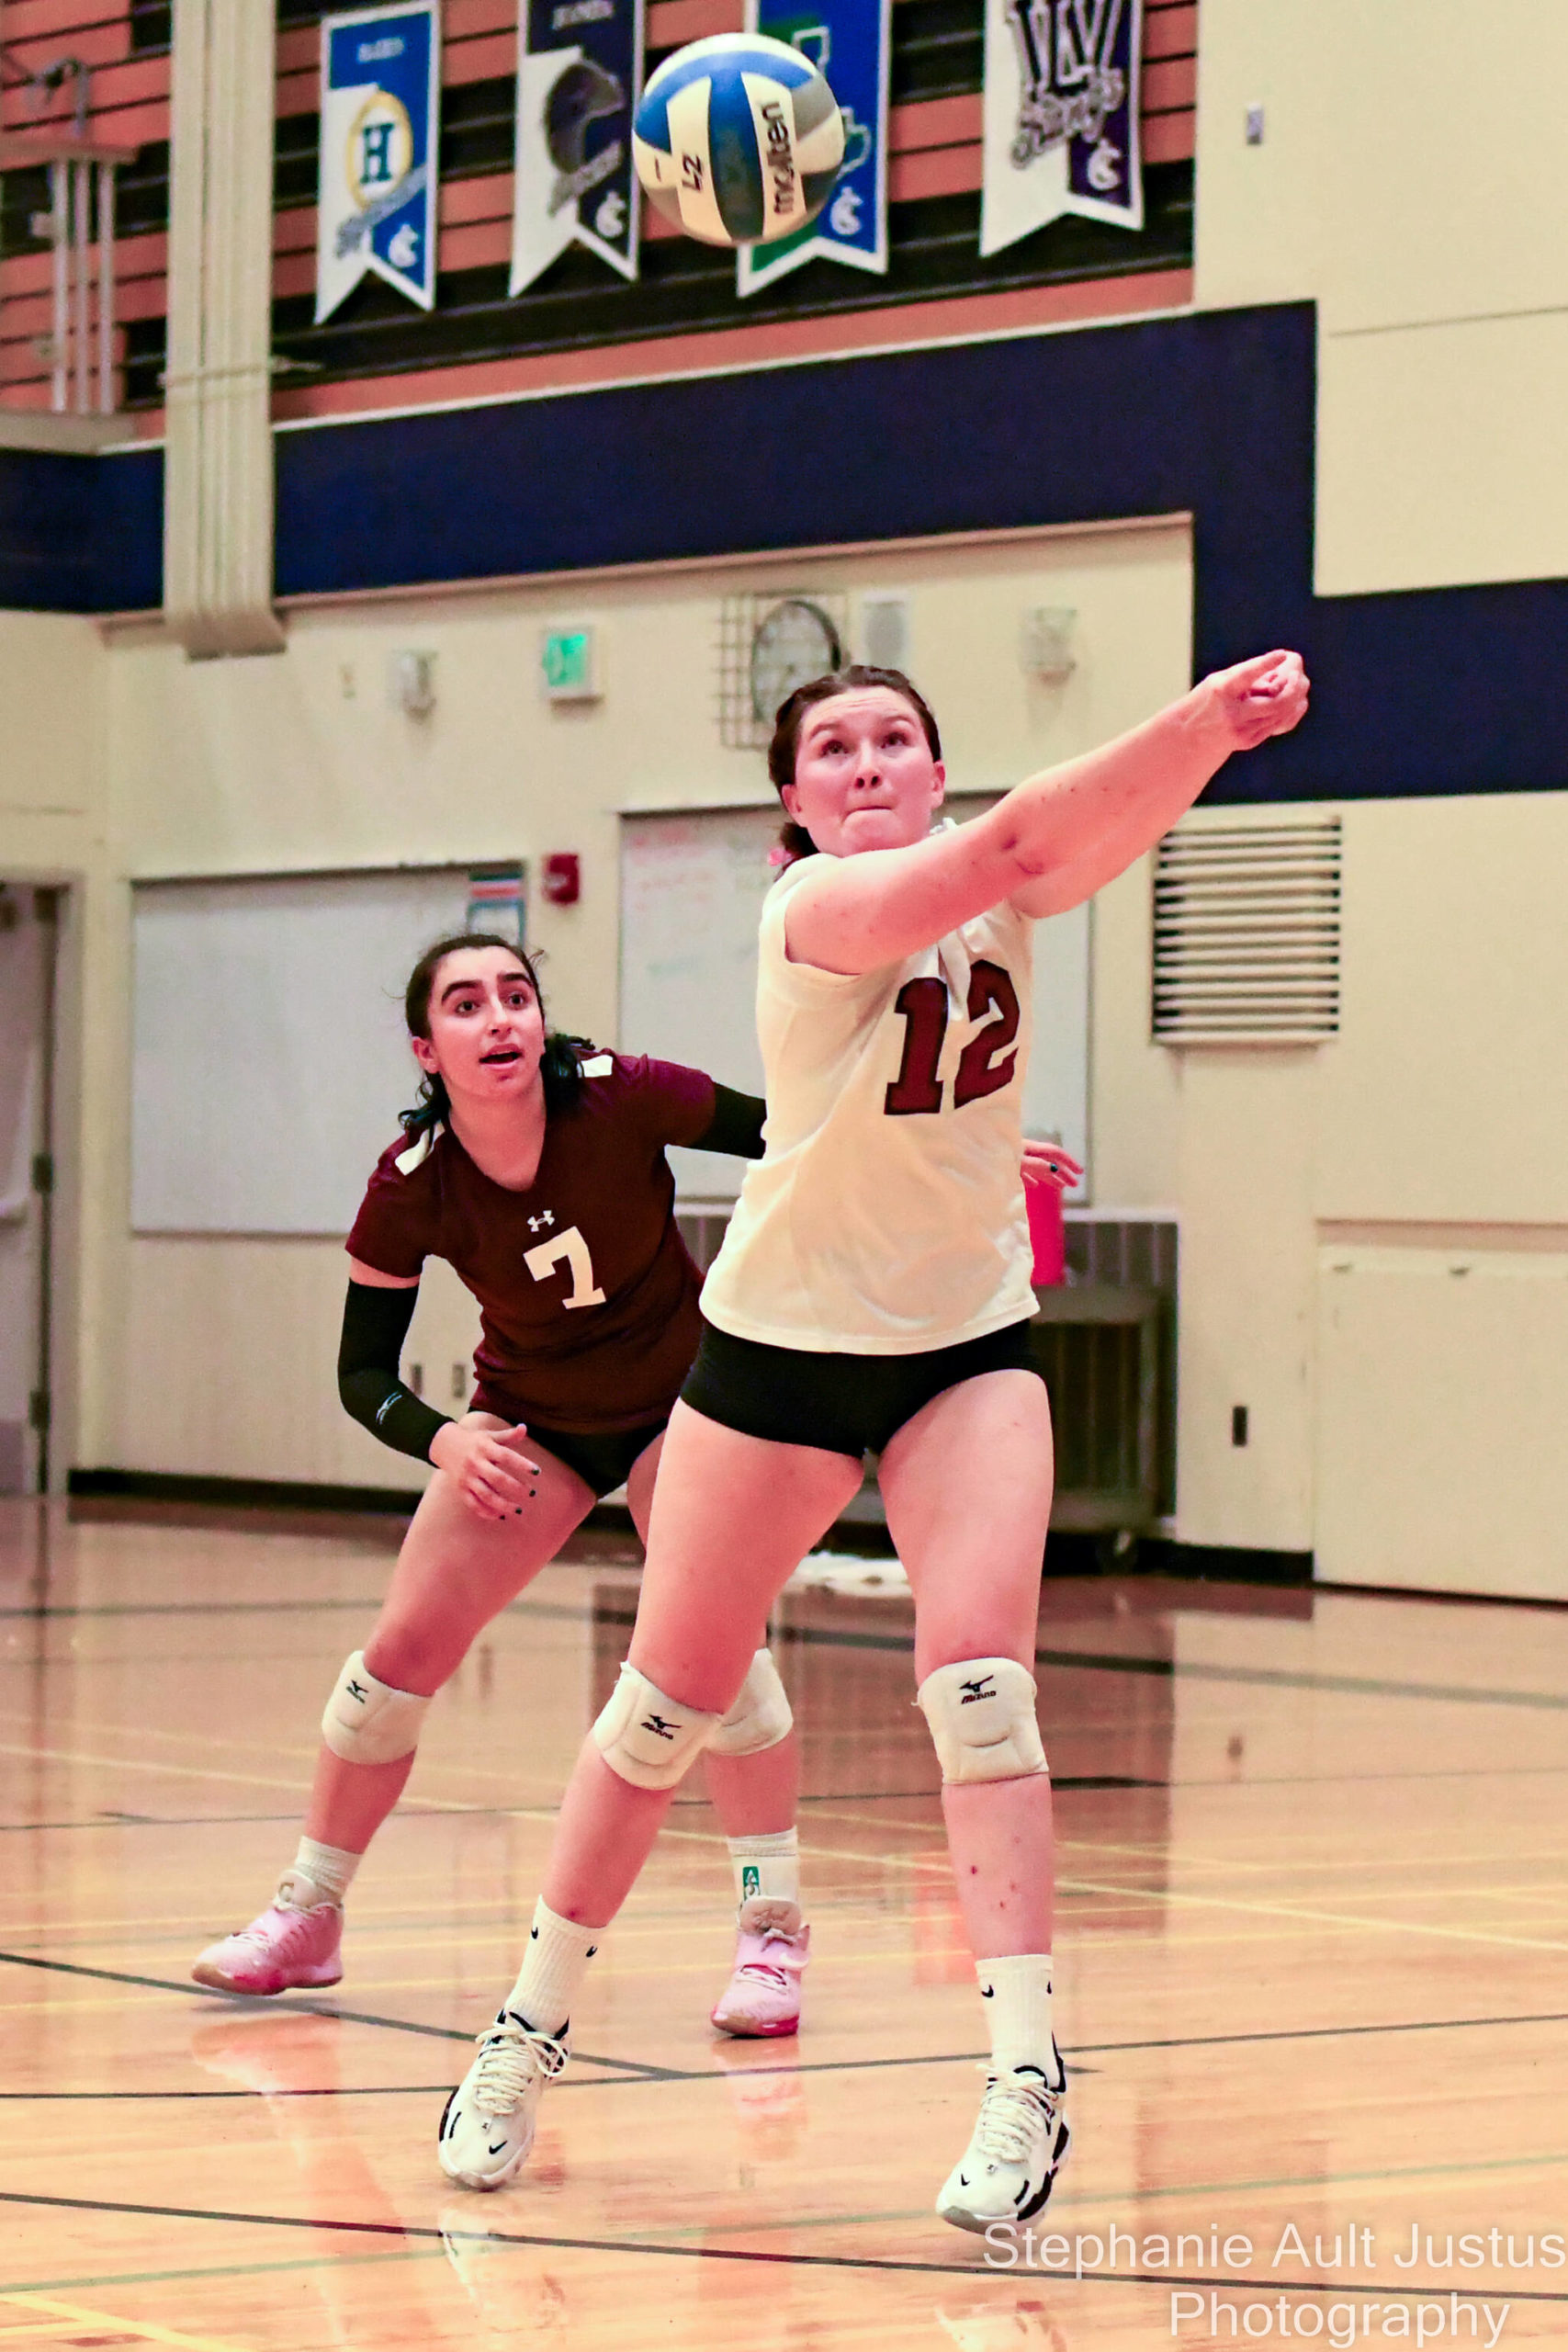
923	1007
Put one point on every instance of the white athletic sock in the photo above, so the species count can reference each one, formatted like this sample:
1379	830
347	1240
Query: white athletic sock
768	1866
553	1968
328	1869
1017	1994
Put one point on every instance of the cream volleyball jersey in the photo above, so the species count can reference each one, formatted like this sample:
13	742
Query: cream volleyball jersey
886	1214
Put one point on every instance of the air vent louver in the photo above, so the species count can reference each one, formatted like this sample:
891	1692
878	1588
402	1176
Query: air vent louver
1246	933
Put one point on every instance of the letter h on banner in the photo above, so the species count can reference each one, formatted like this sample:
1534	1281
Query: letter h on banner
380	135
850	41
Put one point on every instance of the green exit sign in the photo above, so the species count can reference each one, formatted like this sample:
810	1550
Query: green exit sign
567	657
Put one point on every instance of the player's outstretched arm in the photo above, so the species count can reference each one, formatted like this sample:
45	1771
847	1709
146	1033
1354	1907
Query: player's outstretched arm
1054	839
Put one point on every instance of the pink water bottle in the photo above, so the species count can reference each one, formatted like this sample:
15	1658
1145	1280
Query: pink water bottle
1046	1234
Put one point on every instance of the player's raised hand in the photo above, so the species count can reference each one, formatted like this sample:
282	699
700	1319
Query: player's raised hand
494	1475
1047	1163
1263	697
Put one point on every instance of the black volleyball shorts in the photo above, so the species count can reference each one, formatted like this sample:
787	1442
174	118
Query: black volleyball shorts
601	1458
840	1403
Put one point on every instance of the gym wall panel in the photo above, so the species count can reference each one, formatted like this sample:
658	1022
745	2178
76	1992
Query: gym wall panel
1442	1399
1443	1095
51	683
1441	130
1409	166
1245	1159
1259	213
1443	454
230	1354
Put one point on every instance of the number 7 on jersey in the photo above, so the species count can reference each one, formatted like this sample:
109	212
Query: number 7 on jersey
570	1247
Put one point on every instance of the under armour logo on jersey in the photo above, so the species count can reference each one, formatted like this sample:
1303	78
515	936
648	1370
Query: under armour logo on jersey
659	1728
537	1223
984	1688
357	1690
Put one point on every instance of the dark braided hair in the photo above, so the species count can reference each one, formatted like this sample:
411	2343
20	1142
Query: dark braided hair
791	716
560	1067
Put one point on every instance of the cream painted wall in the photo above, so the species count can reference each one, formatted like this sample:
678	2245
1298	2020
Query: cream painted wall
1401	1425
1443	1377
1245	1327
1409	180
215	1355
50	673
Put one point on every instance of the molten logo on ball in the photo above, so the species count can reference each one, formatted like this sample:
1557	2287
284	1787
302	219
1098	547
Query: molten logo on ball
739	139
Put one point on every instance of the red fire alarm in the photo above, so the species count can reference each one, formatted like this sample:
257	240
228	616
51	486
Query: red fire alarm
562	879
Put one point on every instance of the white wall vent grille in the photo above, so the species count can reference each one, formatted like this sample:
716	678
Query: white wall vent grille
1246	933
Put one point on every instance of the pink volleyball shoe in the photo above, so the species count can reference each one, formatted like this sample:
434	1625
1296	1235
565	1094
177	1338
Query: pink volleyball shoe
772	1948
287	1945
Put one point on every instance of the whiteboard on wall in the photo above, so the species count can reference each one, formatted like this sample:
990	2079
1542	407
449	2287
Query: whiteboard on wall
692	890
269	1059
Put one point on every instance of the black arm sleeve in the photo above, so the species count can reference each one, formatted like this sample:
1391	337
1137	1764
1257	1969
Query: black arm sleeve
374	1325
736	1125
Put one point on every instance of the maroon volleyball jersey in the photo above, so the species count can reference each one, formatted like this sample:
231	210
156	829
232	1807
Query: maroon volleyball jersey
588	1298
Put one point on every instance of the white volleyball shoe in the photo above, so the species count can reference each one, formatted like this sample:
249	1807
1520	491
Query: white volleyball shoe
487	2128
1019	2144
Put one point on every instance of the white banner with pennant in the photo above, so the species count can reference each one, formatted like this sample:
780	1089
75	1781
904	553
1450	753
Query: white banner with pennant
1061	116
380	131
579	72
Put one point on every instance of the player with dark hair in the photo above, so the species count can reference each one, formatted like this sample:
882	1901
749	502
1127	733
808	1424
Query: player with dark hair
872	1294
535	1165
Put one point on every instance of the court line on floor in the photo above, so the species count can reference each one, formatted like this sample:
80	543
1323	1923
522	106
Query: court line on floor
1087	1661
1363	1923
78	2314
423	2232
237	2004
336	2090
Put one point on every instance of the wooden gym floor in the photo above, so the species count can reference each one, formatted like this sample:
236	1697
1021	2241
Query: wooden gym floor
1311	1952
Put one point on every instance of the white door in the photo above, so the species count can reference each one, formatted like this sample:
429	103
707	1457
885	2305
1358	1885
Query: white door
27	952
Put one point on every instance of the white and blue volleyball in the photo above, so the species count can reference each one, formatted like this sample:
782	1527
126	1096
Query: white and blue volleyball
739	139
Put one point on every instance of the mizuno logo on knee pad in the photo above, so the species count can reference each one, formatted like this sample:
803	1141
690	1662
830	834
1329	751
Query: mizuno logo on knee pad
368	1721
1000	1738
647	1736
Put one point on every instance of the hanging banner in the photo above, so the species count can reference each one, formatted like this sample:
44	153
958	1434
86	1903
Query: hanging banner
1061	116
381	126
579	72
850	41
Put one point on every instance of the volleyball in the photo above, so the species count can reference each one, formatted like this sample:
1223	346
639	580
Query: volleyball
738	139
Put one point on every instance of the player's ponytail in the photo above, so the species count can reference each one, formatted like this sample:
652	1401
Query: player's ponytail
560	1068
794	840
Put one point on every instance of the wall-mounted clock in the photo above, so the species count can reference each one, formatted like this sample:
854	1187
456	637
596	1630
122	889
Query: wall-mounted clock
793	641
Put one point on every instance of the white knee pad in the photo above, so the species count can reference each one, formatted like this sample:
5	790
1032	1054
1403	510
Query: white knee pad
647	1737
367	1722
759	1717
981	1715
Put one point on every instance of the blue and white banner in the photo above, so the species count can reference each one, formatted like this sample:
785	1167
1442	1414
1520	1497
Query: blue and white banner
1061	116
579	72
380	130
850	41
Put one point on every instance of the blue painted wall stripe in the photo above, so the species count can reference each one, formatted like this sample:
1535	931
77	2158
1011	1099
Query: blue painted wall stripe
1435	691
